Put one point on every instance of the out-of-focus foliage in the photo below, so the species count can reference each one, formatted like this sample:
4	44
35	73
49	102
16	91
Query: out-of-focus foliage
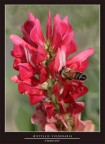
85	22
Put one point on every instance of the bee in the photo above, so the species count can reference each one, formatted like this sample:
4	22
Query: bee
69	74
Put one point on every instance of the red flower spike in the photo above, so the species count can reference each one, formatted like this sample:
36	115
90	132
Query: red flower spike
37	60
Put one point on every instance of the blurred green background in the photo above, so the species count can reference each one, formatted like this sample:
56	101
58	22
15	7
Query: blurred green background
85	22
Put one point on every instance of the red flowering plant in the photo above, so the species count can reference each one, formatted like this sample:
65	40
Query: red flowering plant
49	77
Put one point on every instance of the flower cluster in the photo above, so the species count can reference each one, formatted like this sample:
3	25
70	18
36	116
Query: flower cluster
49	77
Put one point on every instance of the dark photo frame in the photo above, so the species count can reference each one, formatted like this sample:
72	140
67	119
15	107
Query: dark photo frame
7	136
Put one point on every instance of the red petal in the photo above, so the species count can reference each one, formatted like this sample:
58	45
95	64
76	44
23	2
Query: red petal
51	68
63	26
49	27
26	71
36	33
15	79
49	108
23	88
30	56
28	26
66	90
16	63
18	52
62	108
38	117
26	36
17	40
20	42
71	47
78	124
56	89
57	60
43	75
35	90
89	126
79	91
42	55
65	19
66	97
60	59
83	66
50	128
32	82
34	99
57	19
76	107
31	17
56	38
68	38
81	56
